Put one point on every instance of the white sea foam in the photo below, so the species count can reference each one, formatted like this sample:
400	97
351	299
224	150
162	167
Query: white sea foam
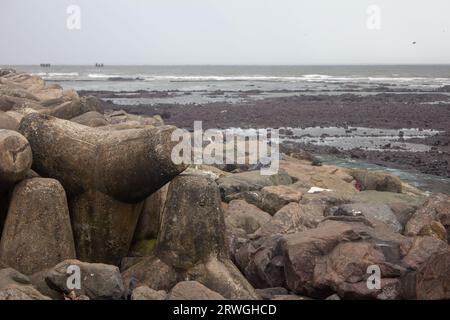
57	75
103	76
308	80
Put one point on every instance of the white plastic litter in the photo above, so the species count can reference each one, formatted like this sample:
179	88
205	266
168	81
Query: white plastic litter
317	189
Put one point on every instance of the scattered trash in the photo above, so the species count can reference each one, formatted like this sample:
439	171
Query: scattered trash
317	189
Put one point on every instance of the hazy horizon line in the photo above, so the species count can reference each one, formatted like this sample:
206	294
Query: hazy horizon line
229	65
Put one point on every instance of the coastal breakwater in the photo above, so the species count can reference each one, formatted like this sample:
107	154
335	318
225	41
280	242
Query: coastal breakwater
96	192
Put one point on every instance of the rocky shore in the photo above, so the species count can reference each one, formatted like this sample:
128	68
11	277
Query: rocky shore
382	110
86	189
302	110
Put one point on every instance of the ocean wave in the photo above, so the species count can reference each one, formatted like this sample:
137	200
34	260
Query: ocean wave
250	78
114	77
306	78
190	78
102	76
53	75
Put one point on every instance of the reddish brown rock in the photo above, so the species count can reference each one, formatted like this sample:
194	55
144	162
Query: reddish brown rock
262	262
429	263
344	270
301	250
378	181
432	279
245	216
276	197
289	219
436	208
315	259
326	177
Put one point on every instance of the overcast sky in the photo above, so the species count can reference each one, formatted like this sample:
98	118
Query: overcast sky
225	32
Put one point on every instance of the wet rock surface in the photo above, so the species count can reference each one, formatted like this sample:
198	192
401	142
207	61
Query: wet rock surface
384	110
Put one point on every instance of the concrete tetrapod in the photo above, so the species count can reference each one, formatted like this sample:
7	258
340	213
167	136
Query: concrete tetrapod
105	174
191	244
